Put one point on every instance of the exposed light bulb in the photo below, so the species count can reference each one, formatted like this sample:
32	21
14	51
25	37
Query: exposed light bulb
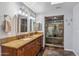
25	14
19	12
52	3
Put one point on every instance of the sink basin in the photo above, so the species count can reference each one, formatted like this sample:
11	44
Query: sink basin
34	35
27	39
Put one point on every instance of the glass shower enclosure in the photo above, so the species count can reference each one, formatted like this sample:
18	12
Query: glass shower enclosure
54	30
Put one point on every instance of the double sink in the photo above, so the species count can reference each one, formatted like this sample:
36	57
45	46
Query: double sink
18	43
30	37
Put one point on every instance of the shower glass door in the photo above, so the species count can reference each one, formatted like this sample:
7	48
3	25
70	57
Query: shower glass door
54	30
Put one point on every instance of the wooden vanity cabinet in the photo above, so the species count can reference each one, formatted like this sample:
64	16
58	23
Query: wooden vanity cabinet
7	51
30	49
33	48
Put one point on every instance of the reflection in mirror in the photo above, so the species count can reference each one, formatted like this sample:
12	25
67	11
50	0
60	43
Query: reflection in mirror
22	23
32	24
38	27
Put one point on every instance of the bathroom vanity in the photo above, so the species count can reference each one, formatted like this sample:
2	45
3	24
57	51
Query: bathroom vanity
28	45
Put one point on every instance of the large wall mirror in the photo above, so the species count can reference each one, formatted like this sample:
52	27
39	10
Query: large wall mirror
26	21
22	23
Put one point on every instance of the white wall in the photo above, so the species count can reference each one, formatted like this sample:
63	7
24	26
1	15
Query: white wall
76	29
67	27
9	9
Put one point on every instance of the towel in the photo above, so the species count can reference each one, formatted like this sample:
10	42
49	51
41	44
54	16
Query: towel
7	25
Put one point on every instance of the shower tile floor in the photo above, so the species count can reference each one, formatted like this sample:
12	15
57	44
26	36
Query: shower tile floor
55	51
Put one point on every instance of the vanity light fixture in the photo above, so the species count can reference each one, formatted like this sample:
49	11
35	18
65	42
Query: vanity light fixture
22	12
19	12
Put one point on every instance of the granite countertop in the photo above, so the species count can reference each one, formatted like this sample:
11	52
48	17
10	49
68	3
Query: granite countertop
19	43
11	35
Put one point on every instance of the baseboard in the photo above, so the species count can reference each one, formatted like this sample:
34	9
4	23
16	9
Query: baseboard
72	51
75	53
68	49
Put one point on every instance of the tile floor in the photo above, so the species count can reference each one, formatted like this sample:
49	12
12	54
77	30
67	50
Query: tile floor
54	51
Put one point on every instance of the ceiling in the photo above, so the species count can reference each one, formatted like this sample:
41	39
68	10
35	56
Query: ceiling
45	7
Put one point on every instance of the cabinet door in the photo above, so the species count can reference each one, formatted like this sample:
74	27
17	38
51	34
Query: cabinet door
29	49
20	52
28	52
6	51
41	41
33	50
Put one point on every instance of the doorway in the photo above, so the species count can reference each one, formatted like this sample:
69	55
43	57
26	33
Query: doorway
54	31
